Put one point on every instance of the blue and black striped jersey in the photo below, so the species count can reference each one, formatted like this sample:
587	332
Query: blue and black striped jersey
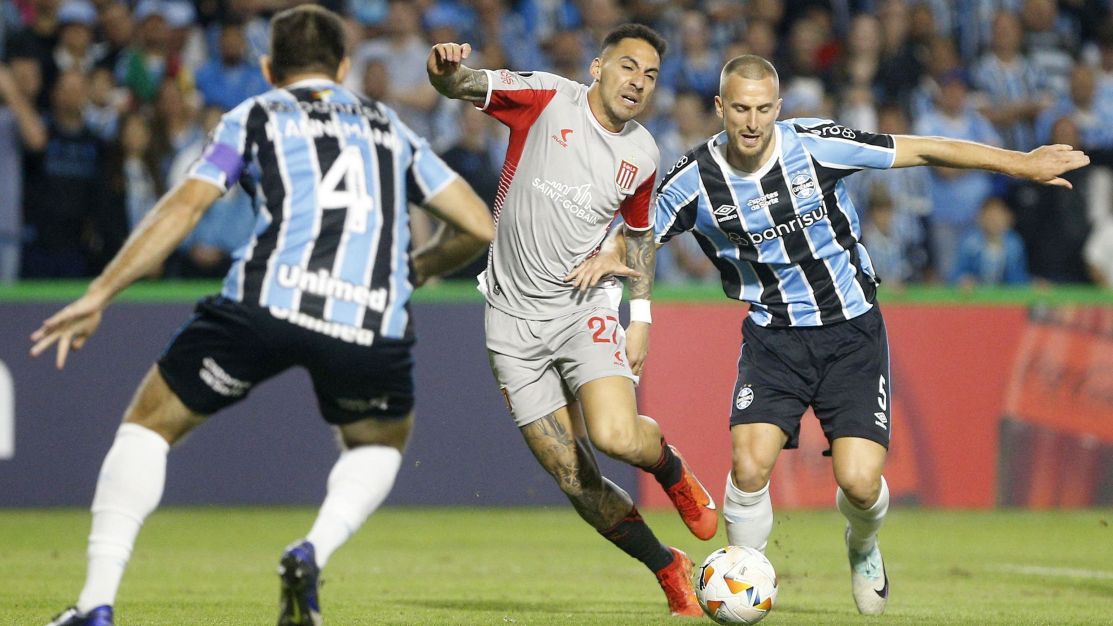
786	237
332	176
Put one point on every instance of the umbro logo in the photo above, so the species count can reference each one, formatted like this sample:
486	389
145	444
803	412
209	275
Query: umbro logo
726	212
562	139
881	420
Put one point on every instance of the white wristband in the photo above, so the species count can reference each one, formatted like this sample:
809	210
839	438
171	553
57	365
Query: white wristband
639	311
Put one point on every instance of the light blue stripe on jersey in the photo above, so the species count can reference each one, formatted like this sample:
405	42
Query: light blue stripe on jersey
395	318
295	154
356	256
793	284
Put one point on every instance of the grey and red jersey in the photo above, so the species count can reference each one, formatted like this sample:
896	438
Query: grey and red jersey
564	179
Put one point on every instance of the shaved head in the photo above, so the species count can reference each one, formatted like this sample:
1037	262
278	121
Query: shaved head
749	66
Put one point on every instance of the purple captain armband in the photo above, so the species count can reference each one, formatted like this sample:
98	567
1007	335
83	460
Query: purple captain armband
227	159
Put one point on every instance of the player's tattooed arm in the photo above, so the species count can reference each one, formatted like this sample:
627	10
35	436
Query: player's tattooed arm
451	77
641	256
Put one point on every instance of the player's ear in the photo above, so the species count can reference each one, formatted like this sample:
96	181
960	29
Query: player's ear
265	66
596	68
719	106
778	111
343	68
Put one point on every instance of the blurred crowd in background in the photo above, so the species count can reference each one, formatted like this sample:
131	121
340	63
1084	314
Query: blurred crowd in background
104	104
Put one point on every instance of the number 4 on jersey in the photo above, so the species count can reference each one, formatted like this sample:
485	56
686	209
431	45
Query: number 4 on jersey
344	186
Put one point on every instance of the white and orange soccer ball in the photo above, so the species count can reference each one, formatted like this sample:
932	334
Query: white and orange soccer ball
736	585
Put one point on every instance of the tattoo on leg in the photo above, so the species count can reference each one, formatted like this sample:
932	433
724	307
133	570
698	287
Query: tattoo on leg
571	462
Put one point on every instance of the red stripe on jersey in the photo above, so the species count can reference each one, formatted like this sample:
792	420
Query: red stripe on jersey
635	208
514	149
518	108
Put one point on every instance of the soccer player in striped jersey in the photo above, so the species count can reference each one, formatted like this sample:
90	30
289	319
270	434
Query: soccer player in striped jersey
766	201
324	283
564	364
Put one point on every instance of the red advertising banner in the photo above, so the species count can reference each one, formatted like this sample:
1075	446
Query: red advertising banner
1063	372
1059	411
950	369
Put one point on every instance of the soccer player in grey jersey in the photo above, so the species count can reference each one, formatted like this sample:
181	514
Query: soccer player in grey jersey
564	364
766	201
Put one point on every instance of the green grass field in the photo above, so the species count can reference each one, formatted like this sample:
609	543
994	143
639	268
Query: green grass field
544	566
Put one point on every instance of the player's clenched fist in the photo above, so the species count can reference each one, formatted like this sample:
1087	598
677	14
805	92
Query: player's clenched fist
445	58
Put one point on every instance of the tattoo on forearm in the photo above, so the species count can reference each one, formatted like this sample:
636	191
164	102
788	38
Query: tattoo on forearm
571	462
641	255
472	84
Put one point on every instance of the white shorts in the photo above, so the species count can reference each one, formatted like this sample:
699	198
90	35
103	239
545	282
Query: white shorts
540	365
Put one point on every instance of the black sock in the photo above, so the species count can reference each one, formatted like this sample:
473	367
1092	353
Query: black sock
633	536
668	468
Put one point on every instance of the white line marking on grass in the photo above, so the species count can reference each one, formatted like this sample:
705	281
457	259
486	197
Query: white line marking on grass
1041	570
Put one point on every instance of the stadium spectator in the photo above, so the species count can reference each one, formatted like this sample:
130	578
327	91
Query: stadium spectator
695	66
117	29
908	192
992	253
1050	43
175	124
1010	84
76	48
36	40
1088	108
900	68
354	337
136	169
576	157
106	102
230	77
956	195
21	128
402	50
567	56
1054	223
887	240
146	63
940	60
74	226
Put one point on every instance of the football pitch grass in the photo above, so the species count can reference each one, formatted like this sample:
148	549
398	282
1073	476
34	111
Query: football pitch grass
216	565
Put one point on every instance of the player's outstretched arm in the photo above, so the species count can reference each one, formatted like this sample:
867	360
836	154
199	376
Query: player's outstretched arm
451	77
466	229
154	238
1045	164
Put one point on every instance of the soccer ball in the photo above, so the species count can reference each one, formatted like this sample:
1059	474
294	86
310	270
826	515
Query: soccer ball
736	585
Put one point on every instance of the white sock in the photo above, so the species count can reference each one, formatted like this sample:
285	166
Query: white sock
864	523
128	490
357	485
749	516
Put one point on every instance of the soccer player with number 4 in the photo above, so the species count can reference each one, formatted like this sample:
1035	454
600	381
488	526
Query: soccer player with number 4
323	284
564	364
766	202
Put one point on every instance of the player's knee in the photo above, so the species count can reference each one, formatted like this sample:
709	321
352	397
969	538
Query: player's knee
748	474
860	487
617	443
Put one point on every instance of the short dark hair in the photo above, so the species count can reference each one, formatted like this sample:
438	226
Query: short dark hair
637	31
306	38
